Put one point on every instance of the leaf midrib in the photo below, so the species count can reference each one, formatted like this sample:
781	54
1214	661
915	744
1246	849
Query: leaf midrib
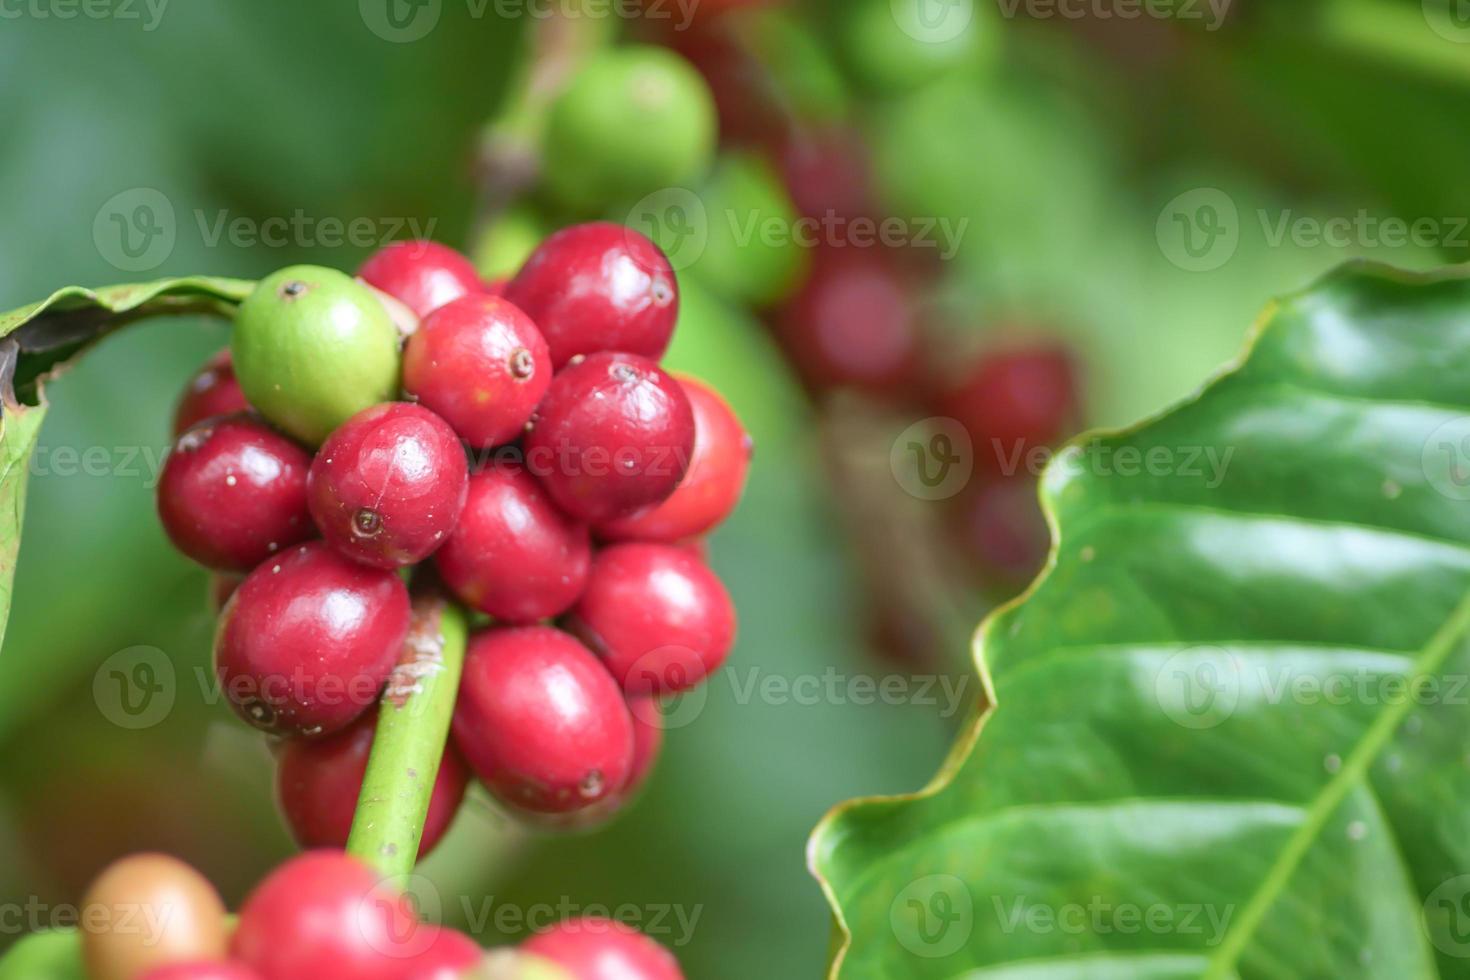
1353	772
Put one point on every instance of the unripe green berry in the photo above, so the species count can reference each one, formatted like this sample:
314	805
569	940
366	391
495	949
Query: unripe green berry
891	46
752	256
54	955
313	347
634	120
505	244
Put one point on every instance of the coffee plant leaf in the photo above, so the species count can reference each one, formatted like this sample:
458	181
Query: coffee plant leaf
1228	731
39	340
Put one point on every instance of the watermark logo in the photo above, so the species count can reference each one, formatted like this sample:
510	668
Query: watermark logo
401	21
1450	19
1445	459
1447	917
933	459
403	936
667	668
933	917
135	230
1199	230
135	688
1198	687
677	220
933	21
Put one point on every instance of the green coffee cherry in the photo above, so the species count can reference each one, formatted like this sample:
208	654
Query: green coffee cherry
789	48
895	46
52	955
312	347
504	246
511	964
752	256
634	120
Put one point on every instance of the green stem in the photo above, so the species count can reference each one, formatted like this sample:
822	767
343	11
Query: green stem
510	147
413	725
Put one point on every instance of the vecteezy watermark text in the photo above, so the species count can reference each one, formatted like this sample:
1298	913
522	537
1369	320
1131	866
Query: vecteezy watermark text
147	12
136	230
1100	916
1210	14
1201	229
935	458
683	224
137	688
1203	686
405	21
673	924
147	920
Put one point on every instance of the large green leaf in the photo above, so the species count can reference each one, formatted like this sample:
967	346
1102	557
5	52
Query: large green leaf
39	340
1230	733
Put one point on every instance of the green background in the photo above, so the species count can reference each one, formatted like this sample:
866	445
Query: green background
1061	149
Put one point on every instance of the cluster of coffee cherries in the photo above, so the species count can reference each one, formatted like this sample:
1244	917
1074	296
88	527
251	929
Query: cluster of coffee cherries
324	916
513	444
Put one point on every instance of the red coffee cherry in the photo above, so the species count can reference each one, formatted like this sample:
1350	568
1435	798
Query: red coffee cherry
541	722
514	554
853	324
318	781
1001	527
656	614
308	639
594	948
648	741
325	916
827	172
1014	401
202	970
712	487
481	364
233	492
614	435
596	287
423	275
213	391
450	956
387	487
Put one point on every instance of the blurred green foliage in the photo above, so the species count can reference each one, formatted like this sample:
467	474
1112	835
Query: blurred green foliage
1057	155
